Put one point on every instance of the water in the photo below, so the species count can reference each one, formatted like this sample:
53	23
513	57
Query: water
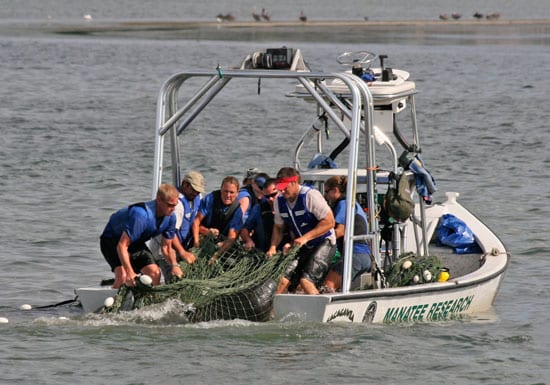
76	120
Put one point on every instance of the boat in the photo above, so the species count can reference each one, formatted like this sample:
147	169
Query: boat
368	103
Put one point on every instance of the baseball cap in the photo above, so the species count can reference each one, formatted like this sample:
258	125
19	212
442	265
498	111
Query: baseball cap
260	181
196	180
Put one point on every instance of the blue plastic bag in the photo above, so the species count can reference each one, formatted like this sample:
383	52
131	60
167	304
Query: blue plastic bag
468	249
453	232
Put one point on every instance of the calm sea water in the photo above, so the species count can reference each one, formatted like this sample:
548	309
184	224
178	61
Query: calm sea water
76	123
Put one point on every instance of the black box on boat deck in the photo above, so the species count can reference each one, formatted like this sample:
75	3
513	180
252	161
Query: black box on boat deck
279	58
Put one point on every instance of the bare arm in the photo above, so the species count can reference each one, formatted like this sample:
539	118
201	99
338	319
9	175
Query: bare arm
166	249
170	256
244	203
124	256
195	228
247	239
322	227
339	230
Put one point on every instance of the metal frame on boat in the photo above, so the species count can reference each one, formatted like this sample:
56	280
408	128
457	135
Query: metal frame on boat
365	112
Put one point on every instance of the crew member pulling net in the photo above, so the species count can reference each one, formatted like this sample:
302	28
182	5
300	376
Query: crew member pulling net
240	285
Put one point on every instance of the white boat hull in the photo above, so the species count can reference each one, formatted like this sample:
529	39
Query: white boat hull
92	299
421	303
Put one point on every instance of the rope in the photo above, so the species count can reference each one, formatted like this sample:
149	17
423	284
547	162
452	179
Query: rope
66	302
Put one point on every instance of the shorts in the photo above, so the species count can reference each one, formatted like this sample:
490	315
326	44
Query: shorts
311	263
140	256
359	264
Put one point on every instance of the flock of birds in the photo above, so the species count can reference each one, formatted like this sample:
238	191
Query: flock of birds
262	16
265	16
476	15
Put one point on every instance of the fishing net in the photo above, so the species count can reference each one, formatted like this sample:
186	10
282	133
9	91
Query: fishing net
410	269
241	285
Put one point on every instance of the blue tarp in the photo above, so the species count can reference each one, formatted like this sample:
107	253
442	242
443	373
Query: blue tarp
453	232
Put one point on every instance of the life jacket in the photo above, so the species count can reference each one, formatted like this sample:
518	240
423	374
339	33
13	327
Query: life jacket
184	232
221	214
152	226
264	226
267	215
299	219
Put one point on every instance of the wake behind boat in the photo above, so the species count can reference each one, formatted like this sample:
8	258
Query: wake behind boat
431	260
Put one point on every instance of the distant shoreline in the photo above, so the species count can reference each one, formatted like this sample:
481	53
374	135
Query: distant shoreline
152	24
263	24
322	30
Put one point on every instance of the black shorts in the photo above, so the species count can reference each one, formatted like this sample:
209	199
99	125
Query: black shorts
140	256
311	263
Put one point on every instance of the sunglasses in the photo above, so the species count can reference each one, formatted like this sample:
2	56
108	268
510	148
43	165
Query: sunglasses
272	195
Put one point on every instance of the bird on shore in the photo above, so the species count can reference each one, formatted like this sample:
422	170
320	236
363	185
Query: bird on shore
444	16
456	16
478	15
227	17
265	15
493	16
255	15
302	17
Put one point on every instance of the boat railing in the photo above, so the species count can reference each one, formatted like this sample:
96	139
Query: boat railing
173	120
357	108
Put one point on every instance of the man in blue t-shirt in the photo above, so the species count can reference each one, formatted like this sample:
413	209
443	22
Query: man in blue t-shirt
123	239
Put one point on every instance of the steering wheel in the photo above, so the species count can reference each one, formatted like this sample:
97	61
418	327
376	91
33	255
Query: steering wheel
356	57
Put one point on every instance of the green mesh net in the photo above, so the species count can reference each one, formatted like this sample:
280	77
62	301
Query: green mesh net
410	269
241	285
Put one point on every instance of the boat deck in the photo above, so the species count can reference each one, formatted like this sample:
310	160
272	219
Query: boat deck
458	264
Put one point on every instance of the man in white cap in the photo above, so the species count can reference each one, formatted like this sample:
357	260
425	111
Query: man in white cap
192	186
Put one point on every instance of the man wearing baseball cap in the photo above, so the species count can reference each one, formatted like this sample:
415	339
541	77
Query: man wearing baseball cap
305	212
191	188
